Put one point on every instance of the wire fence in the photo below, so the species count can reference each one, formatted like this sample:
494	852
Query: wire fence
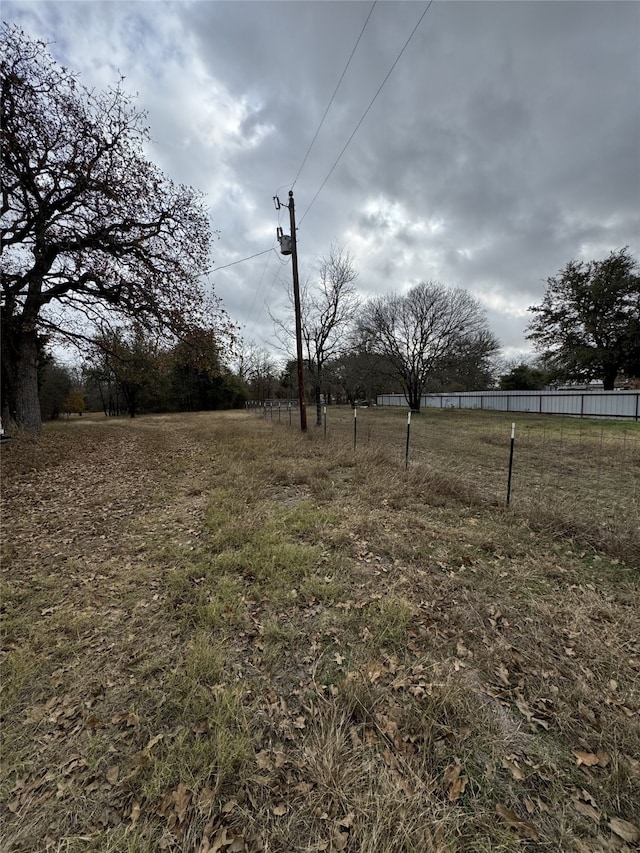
575	474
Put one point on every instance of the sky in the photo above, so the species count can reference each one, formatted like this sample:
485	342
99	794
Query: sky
504	143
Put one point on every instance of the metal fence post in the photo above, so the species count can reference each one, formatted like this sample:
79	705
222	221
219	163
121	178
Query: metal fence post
513	435
406	453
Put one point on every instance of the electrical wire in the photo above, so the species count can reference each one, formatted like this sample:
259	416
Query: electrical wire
275	278
335	92
364	115
233	263
257	291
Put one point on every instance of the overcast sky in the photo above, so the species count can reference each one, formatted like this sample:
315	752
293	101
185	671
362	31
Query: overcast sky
505	142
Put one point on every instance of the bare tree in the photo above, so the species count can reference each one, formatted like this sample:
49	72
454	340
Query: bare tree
328	306
90	228
421	332
257	368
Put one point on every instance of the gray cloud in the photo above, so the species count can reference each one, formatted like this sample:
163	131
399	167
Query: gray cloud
505	143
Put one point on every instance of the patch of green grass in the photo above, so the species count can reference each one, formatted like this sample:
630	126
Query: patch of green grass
230	518
118	839
325	585
187	596
225	608
387	621
275	564
304	519
211	748
205	659
277	638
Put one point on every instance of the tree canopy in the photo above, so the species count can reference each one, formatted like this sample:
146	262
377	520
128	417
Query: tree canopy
524	377
90	227
588	324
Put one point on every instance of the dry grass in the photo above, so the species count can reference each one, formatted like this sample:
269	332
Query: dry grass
220	635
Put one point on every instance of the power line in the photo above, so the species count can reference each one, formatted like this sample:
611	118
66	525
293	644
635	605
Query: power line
364	115
255	295
275	278
241	260
233	263
315	136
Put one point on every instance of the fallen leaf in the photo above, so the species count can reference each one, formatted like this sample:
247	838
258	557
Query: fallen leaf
229	806
374	671
347	820
634	766
624	829
142	758
182	797
455	783
112	774
524	827
510	764
590	759
462	651
154	741
135	812
503	674
219	841
340	840
263	760
387	726
585	804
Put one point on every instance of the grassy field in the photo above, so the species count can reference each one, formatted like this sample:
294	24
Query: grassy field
221	635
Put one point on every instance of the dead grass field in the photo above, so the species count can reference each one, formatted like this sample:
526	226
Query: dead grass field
220	635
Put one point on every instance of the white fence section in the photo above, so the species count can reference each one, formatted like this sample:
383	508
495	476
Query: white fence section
585	404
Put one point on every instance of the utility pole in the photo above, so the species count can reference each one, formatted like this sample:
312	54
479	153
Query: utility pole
292	249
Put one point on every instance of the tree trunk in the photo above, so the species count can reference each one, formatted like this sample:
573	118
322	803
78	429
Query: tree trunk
318	405
413	395
20	373
609	378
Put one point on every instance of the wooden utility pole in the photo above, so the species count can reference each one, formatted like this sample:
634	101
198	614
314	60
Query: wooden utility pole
296	303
